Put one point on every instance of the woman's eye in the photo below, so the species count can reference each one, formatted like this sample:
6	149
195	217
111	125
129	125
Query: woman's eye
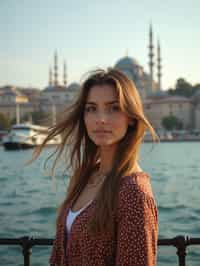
90	109
115	108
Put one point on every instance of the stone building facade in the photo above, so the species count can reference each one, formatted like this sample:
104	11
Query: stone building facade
180	107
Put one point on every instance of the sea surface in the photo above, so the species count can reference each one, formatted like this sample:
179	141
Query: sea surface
29	197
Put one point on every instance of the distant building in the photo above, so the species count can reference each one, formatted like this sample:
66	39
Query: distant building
158	108
12	95
57	93
157	102
33	94
135	72
57	96
196	110
13	101
145	82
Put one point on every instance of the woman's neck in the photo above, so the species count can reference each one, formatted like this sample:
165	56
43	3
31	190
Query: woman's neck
106	158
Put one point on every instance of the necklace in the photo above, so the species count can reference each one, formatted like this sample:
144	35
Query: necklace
100	176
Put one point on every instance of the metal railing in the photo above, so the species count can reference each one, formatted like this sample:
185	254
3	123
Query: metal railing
26	242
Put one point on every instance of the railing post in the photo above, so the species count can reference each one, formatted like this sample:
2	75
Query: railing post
26	242
180	244
26	250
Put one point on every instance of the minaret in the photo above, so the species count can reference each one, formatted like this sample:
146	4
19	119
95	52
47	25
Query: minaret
159	66
151	55
55	69
65	74
50	77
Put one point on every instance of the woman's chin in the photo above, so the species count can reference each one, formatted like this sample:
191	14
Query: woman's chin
103	143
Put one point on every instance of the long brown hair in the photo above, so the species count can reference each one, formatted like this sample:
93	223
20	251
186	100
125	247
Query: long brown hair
83	154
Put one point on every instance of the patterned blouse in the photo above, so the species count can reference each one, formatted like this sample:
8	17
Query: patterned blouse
135	242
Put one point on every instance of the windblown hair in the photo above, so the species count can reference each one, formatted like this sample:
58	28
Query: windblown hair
83	154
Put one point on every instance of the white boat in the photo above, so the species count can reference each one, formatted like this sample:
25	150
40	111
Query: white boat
25	136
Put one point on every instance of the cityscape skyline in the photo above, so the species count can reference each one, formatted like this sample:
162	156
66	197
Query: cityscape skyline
93	34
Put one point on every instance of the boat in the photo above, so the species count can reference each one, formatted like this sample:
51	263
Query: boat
26	136
2	134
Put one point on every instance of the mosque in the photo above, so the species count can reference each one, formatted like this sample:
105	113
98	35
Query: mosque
157	102
144	81
58	94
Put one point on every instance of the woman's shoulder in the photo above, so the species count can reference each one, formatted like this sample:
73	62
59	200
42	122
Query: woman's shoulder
138	180
135	193
137	184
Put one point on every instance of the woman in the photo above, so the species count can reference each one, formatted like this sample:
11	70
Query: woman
109	215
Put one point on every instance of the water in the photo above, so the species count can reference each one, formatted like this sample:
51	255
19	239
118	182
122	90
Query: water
28	199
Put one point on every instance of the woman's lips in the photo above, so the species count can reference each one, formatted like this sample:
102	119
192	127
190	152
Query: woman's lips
102	132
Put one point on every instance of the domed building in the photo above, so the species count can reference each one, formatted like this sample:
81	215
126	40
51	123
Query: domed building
135	72
158	103
58	94
145	82
73	90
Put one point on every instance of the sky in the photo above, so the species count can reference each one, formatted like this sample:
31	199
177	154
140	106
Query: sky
89	34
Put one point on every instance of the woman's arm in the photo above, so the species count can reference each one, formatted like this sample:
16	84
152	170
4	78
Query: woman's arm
137	230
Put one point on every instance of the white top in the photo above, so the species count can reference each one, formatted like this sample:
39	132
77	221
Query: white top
72	216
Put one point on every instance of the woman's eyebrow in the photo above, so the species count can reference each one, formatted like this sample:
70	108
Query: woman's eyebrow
106	103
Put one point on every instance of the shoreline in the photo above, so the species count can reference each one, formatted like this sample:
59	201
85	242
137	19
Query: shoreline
176	140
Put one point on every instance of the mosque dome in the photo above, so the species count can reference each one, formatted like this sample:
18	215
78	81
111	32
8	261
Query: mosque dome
53	88
130	67
49	88
126	62
74	86
135	72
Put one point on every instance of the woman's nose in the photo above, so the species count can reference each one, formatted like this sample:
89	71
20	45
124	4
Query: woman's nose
101	119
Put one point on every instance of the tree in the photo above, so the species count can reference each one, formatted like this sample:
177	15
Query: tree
171	122
4	122
183	88
37	117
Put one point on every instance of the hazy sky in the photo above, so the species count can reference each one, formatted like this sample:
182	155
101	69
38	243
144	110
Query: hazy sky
91	33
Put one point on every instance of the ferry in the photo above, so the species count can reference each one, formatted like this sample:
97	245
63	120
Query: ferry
26	136
2	134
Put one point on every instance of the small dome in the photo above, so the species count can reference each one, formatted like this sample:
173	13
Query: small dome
74	86
130	67
126	62
49	88
53	88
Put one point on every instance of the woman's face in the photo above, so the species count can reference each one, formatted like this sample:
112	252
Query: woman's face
105	123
